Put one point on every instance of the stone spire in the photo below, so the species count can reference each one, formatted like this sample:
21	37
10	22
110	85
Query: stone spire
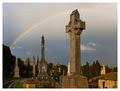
16	69
34	66
42	49
74	29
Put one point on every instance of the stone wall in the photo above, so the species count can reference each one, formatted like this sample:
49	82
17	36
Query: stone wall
108	83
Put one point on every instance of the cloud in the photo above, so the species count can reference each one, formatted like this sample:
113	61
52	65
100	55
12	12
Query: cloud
86	48
28	53
16	48
92	43
46	49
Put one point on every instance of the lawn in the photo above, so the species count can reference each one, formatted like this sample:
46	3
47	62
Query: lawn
19	85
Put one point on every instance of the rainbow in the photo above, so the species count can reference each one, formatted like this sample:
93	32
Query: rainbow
23	34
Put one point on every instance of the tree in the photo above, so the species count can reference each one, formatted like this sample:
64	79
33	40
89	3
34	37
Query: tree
86	69
97	68
50	69
107	69
93	68
21	67
28	68
8	63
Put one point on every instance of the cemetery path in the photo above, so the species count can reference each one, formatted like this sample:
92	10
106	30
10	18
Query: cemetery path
6	84
15	82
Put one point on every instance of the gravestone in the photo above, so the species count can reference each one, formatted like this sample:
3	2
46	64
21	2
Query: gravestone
103	70
74	30
34	66
42	74
68	72
16	69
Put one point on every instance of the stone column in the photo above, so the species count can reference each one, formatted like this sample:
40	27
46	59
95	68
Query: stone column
74	29
42	48
16	69
34	66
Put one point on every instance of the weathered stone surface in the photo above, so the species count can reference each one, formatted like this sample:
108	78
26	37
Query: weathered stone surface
33	66
75	81
42	66
16	69
74	29
68	72
103	70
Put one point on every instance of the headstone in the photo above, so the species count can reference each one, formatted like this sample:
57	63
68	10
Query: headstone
103	70
68	72
58	64
74	29
42	74
16	69
34	66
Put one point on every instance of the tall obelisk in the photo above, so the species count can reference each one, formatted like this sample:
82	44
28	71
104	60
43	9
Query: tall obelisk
42	64
34	66
74	29
42	49
16	69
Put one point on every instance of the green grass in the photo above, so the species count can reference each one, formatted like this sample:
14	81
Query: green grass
19	85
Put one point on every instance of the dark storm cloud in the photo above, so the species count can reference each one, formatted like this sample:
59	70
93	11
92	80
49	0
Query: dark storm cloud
101	30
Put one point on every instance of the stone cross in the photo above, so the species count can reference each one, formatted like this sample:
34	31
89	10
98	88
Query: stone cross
74	29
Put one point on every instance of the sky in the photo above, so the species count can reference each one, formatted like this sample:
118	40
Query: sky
98	40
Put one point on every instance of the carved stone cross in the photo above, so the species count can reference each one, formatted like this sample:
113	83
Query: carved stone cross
74	29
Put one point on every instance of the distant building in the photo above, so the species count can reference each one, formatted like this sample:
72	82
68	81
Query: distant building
108	81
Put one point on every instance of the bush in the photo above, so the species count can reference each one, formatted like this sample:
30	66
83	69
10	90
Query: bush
31	81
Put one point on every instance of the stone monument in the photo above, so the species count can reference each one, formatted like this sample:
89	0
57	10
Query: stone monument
74	29
34	66
68	72
103	70
16	69
42	70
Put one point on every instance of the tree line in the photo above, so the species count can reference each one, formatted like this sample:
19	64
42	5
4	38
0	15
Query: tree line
25	66
95	68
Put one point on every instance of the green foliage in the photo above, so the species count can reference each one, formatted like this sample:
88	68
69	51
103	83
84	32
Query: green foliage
91	70
56	70
8	63
19	85
21	67
28	68
94	69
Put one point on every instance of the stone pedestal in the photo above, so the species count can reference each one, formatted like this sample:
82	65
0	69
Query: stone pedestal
75	81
